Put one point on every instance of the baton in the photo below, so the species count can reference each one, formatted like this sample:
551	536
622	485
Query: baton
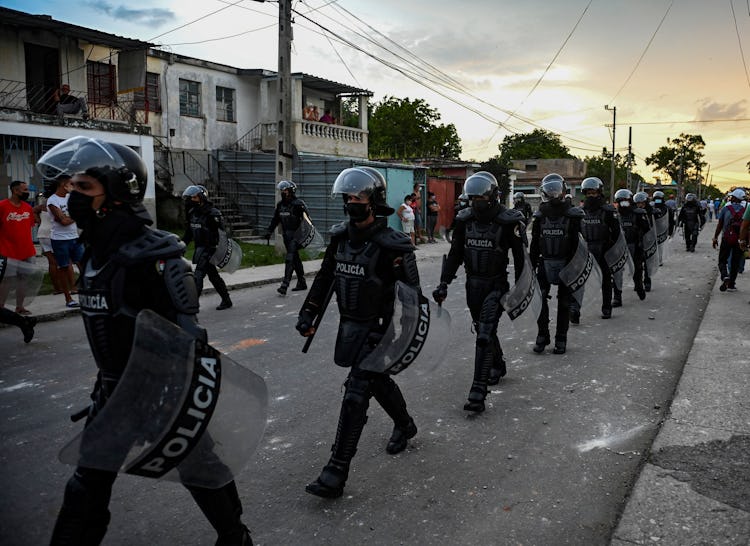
319	318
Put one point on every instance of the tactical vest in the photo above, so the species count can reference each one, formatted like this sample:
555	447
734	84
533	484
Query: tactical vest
358	288
660	209
289	221
629	226
483	253
691	214
554	237
202	234
594	230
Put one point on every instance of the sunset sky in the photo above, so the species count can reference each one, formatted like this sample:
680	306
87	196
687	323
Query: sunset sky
492	67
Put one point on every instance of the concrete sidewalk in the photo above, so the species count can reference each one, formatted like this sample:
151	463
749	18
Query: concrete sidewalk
694	487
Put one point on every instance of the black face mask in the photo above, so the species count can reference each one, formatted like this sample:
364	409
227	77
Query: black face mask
24	196
592	201
79	208
358	212
482	207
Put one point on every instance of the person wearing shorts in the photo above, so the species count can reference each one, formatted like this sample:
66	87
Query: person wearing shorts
406	214
66	247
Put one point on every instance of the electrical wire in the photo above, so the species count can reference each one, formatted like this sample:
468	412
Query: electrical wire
739	43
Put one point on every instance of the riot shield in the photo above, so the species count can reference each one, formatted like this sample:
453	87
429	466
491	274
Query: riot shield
618	259
309	238
523	302
651	251
181	411
581	272
228	255
661	225
20	278
419	329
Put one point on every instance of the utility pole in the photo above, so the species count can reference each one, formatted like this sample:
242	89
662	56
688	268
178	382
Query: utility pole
614	127
284	123
630	158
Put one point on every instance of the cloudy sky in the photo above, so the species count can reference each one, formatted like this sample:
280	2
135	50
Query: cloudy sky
492	67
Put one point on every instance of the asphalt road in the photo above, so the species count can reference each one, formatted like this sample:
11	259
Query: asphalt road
551	461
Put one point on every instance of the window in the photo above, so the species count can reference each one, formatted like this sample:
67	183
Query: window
224	104
530	167
190	98
101	82
152	93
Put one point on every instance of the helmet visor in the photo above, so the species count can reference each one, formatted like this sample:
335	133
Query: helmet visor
553	189
354	182
77	155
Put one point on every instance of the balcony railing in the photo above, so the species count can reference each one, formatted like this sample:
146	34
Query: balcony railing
39	99
335	132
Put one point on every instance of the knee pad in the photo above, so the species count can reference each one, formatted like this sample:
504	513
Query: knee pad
357	394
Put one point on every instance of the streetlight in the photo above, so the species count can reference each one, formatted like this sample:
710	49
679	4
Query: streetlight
612	173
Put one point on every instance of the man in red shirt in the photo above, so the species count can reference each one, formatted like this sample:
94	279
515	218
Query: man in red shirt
16	221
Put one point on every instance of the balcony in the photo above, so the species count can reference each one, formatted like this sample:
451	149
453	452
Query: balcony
35	104
311	137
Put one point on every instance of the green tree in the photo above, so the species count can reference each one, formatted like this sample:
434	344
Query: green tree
538	144
682	160
403	128
500	171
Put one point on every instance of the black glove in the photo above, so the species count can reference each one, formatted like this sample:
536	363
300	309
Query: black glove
305	321
440	293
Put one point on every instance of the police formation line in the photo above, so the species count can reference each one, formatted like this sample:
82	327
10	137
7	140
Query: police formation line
151	302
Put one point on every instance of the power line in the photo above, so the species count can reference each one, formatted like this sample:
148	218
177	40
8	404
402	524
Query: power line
739	43
648	45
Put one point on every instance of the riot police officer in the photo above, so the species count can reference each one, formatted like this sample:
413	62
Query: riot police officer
289	212
361	265
484	234
600	228
661	208
634	224
692	220
127	267
204	222
520	204
554	240
640	200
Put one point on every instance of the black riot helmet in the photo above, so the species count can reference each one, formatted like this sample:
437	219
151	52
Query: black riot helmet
623	196
640	197
121	170
658	196
363	181
691	197
285	185
552	187
592	183
480	184
519	197
192	191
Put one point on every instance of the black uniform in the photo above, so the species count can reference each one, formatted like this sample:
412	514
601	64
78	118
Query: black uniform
26	324
204	223
482	245
692	218
129	267
289	214
600	228
554	240
363	266
660	209
524	208
634	222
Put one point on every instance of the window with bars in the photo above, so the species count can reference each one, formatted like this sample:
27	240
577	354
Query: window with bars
224	104
101	81
152	93
190	98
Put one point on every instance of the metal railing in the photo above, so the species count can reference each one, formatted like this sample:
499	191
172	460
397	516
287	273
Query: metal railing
40	99
252	140
329	131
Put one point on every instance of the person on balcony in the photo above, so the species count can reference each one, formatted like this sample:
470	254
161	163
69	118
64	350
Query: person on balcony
65	103
327	117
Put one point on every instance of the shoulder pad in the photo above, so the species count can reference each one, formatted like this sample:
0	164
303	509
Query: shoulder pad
465	214
298	202
637	210
609	208
153	244
537	214
394	240
338	229
575	212
510	216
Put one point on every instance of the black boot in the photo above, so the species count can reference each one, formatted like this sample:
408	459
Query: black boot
222	508
560	345
499	368
282	289
301	285
386	392
542	340
647	284
606	312
225	304
84	516
575	316
352	419
617	298
28	329
482	363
